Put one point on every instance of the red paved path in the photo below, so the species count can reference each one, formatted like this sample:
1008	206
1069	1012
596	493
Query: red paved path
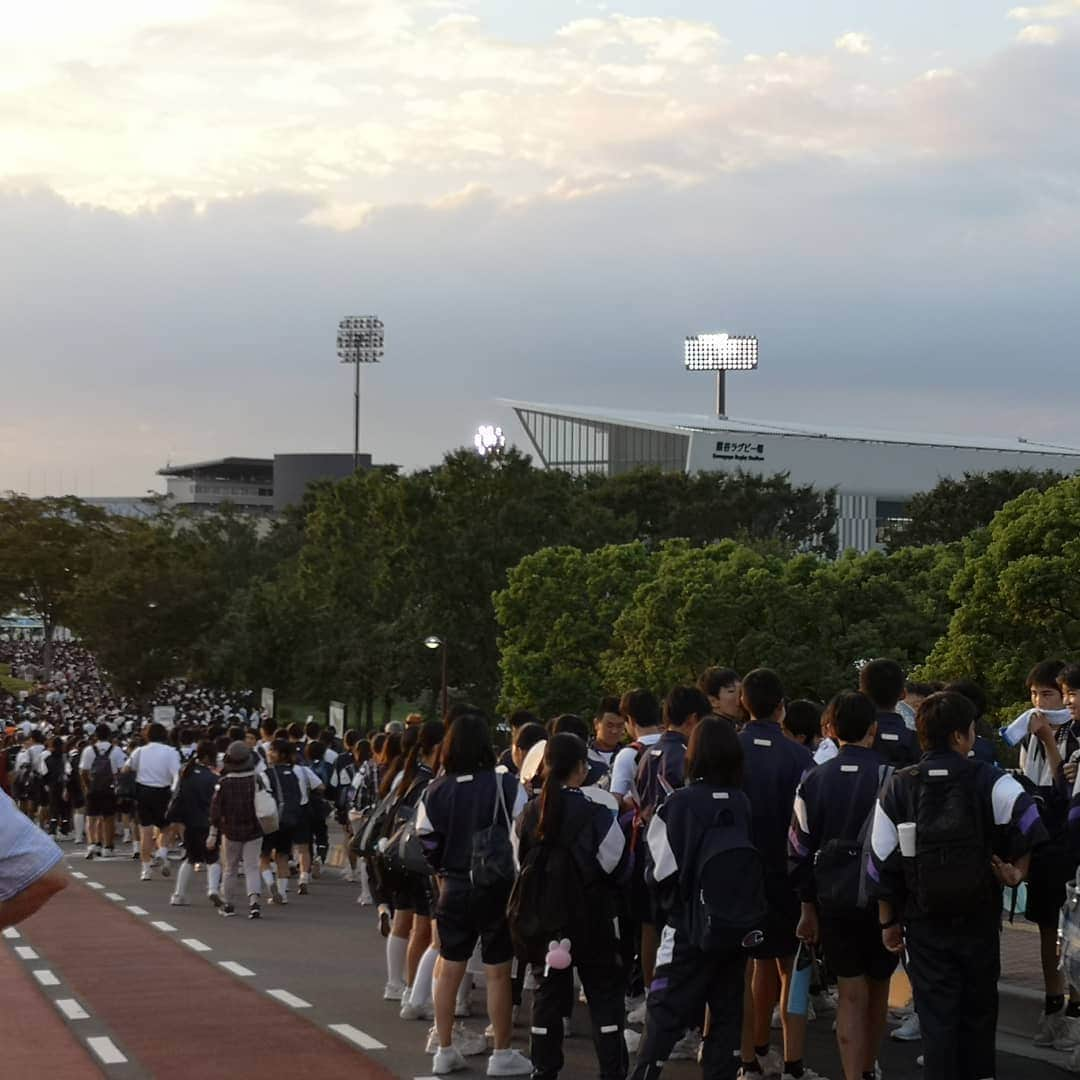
34	1040
176	1013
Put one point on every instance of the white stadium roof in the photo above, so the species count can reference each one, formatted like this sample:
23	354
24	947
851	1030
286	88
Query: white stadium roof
688	422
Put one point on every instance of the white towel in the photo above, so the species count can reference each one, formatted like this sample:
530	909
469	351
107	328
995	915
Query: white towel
1033	758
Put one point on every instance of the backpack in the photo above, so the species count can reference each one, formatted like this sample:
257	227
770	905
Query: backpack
22	785
54	769
840	865
726	909
491	866
547	902
287	792
657	777
950	874
102	777
323	770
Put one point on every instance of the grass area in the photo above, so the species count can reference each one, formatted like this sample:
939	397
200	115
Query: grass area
12	686
288	712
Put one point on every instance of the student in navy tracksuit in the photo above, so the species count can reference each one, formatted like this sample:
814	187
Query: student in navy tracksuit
453	808
688	979
833	806
583	824
774	766
974	829
882	681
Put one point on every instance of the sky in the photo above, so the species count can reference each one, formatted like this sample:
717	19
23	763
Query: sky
540	198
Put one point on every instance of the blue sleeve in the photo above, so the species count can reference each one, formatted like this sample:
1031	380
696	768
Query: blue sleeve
26	853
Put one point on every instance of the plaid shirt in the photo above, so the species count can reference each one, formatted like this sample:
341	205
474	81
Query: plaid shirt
232	809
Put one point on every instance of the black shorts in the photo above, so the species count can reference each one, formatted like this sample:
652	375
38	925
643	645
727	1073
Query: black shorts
416	898
462	922
784	913
101	803
151	804
195	847
280	842
853	947
1052	867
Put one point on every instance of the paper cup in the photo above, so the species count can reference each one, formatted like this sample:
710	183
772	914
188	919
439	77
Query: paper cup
906	831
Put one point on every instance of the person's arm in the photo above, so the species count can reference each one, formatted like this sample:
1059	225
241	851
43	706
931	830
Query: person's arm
801	850
29	872
23	904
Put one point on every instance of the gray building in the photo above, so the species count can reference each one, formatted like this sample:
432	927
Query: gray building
874	473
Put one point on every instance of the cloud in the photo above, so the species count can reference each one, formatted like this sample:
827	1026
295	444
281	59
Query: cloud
1062	9
1039	34
858	44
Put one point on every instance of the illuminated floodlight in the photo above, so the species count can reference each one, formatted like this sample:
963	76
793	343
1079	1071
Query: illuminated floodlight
360	339
721	352
489	439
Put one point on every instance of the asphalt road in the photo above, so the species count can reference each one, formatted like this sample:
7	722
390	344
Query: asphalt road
323	958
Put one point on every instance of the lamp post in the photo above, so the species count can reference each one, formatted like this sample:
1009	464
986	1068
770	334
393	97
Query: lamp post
434	642
489	440
721	353
359	341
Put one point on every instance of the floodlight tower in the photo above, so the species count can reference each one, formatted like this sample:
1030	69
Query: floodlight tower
721	353
359	341
489	440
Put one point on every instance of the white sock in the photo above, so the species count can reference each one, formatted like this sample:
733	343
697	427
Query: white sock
163	854
183	879
396	950
304	878
425	971
283	885
365	884
213	878
268	878
80	826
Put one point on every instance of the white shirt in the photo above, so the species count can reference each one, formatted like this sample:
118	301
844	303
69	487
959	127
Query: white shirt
309	780
625	766
330	756
30	757
155	765
117	758
826	751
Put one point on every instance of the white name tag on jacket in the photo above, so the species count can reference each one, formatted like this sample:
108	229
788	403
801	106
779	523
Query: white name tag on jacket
763	742
849	768
887	736
720	795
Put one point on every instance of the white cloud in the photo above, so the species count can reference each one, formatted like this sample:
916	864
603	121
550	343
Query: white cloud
1039	34
854	42
1061	9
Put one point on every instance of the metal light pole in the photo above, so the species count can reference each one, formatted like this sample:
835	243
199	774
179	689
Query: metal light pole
434	642
721	353
359	341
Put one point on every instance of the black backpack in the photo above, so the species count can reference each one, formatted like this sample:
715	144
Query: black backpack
491	867
286	787
102	776
727	907
659	773
840	865
950	874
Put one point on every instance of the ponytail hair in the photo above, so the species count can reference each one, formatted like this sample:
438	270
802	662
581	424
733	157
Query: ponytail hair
431	735
562	755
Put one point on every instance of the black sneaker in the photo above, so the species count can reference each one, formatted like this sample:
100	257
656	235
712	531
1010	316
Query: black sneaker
302	888
215	899
227	910
254	912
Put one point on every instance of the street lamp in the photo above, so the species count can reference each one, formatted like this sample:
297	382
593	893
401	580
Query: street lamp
489	440
359	341
721	353
434	642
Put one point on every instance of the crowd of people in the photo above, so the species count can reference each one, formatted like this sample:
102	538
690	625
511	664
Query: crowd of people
705	874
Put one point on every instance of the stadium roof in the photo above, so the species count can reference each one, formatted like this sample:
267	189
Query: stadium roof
687	422
221	466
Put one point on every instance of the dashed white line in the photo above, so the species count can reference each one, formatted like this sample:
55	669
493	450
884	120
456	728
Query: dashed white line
237	969
355	1035
114	896
291	1000
106	1050
11	933
78	874
136	910
24	952
195	944
164	927
46	977
72	1009
95	885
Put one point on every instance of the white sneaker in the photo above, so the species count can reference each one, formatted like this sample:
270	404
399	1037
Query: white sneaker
448	1061
509	1063
467	1043
393	991
632	1039
808	1074
350	875
772	1064
91	851
775	1022
1057	1030
824	1003
409	1011
146	874
637	1016
908	1031
365	899
686	1049
463	1009
178	901
107	853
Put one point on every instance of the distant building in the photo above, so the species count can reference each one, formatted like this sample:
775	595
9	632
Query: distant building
874	473
130	506
258	486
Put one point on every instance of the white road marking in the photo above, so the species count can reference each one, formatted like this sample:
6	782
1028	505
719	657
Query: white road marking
196	944
11	933
24	952
289	999
106	1050
355	1035
136	910
72	1009
46	977
164	927
95	885
237	969
114	896
77	874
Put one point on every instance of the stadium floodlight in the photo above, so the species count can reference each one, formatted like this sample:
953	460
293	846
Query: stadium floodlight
489	439
721	353
359	341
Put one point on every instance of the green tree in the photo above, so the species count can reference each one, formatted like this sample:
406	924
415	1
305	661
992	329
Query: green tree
556	617
44	550
1016	595
955	508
